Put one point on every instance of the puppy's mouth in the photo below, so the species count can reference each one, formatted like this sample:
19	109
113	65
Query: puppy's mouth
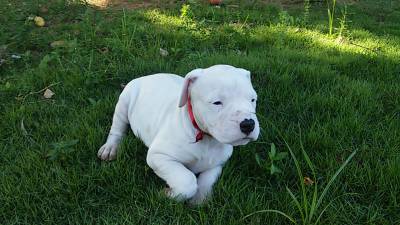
242	141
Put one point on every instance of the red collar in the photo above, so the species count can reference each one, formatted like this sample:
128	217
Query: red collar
200	133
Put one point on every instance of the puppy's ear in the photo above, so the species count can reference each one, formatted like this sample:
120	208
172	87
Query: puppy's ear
189	79
246	73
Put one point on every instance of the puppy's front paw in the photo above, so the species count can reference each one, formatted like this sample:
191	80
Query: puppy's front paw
199	198
108	151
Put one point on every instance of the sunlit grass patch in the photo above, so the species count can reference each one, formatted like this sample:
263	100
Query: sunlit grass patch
343	93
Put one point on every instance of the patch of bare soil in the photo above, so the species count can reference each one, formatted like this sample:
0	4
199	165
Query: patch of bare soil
296	2
135	4
127	4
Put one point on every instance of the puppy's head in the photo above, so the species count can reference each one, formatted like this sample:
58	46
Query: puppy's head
224	103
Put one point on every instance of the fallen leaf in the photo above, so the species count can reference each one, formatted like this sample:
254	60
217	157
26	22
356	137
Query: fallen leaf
48	93
163	52
57	44
14	56
44	9
167	191
63	44
19	98
104	50
39	21
308	181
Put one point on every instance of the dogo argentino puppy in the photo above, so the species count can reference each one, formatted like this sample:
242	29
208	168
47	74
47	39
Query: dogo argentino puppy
189	125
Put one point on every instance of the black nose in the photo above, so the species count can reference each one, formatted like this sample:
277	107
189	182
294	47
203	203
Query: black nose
247	126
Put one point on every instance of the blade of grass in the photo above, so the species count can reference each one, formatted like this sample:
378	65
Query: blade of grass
272	211
329	204
300	175
311	166
297	203
334	178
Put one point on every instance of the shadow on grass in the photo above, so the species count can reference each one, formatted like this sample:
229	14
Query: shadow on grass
334	91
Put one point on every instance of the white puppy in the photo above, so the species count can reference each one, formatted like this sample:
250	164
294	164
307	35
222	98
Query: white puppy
189	125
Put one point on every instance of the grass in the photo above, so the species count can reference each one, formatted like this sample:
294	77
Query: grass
308	207
344	97
331	14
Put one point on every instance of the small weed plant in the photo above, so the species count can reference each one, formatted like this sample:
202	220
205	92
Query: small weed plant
306	13
285	19
331	4
274	158
308	206
61	150
343	22
185	12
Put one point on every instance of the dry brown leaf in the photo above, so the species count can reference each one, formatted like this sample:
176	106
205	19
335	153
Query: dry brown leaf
44	9
59	43
308	181
167	191
48	93
104	50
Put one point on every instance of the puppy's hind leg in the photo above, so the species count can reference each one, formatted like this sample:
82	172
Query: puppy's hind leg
118	128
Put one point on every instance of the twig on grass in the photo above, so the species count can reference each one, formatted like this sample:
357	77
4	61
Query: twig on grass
370	49
36	92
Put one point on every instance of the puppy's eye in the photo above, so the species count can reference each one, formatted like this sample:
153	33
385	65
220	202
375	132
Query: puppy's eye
217	103
253	100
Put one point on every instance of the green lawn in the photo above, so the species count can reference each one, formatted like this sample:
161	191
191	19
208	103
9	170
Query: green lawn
330	95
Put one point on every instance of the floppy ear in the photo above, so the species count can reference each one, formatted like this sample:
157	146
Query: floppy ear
189	79
246	73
